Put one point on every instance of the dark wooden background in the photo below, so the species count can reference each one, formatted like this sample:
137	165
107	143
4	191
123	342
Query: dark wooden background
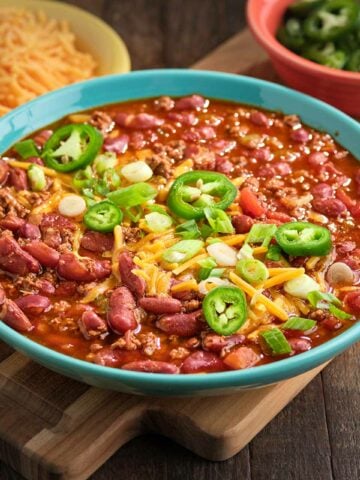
317	437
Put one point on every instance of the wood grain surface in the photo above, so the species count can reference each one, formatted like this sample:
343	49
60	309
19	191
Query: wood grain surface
317	437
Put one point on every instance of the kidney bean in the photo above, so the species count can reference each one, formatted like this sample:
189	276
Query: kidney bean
117	145
300	135
66	289
33	304
97	242
132	281
35	160
202	362
221	147
45	287
242	357
57	221
223	165
299	344
331	323
14	259
4	172
51	237
140	121
352	301
206	132
316	159
84	270
47	256
12	222
262	154
322	190
18	179
137	140
121	314
331	207
194	102
109	357
182	324
151	366
242	223
345	247
41	138
29	230
91	324
160	305
14	317
215	343
267	171
279	217
282	168
186	118
259	118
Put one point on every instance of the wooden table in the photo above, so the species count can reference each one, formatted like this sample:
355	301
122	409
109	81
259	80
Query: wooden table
317	437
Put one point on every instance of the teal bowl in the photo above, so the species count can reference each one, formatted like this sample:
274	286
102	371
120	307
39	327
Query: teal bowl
117	88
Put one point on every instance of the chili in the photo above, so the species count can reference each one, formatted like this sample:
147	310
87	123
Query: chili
301	239
103	217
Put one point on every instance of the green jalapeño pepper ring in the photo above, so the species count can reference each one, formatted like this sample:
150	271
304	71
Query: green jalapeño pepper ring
225	309
193	191
72	147
331	20
302	239
103	217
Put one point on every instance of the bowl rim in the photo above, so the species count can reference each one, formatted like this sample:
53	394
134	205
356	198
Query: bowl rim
271	44
255	376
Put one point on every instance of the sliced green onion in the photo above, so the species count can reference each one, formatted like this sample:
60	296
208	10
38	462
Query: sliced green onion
158	222
182	251
137	172
210	241
322	300
101	187
156	208
252	270
37	177
261	233
134	213
245	252
274	253
217	272
206	231
276	341
26	149
188	230
298	323
301	286
105	161
339	313
83	178
218	220
111	178
136	194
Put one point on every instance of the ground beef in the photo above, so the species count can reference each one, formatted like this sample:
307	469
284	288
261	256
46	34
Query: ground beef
150	343
131	234
179	353
128	342
164	103
9	205
174	150
160	165
191	305
102	121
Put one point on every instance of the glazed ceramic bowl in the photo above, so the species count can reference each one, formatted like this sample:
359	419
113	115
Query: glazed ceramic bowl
106	90
337	87
92	34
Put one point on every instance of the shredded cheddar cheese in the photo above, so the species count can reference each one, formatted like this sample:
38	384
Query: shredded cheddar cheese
100	289
186	285
283	277
190	263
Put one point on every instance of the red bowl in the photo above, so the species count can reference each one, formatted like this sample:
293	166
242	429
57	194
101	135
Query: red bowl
338	87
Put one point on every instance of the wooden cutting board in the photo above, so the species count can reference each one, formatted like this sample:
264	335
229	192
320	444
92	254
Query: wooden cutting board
54	428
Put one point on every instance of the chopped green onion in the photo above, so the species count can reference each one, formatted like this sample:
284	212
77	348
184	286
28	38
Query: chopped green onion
276	341
322	300
156	208
298	323
210	241
111	178
218	220
207	265
217	272
158	222
206	231
182	251
26	149
274	253
188	230
252	270
245	252
134	213
136	194
205	273
101	187
339	313
83	178
37	177
105	161
261	233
